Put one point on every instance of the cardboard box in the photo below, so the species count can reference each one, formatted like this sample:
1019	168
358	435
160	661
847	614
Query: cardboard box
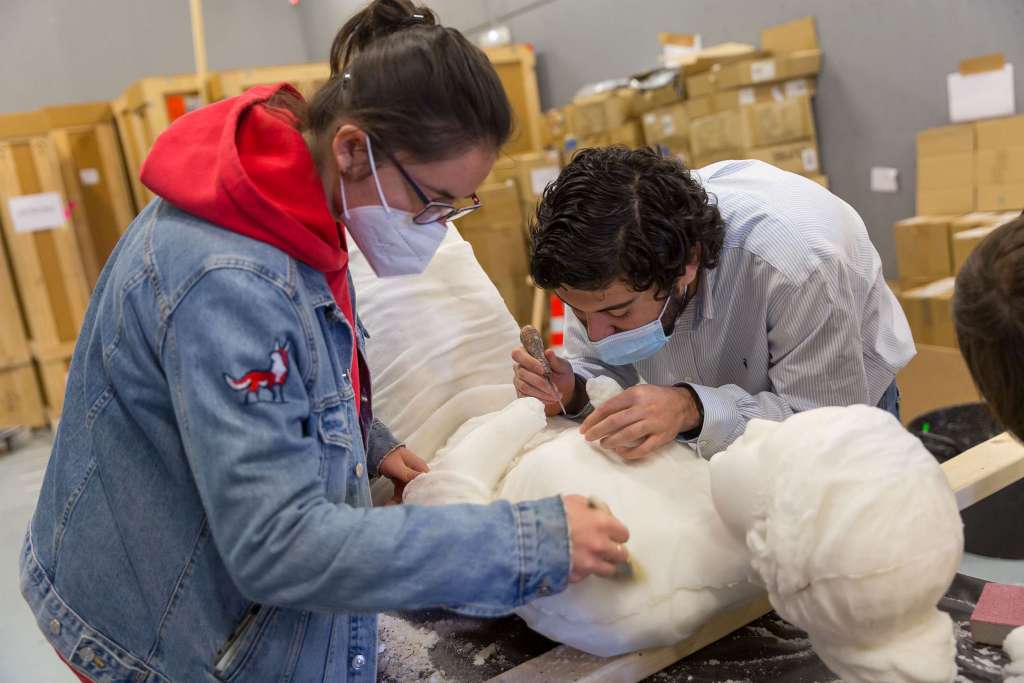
701	84
792	36
936	377
923	248
796	157
631	135
1003	166
979	219
534	171
1000	197
945	140
768	70
773	123
952	170
946	200
667	124
706	59
772	92
965	241
648	98
1000	133
722	132
600	113
760	125
700	106
929	310
496	234
708	159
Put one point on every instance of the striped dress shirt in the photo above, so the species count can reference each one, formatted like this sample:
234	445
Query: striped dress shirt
795	316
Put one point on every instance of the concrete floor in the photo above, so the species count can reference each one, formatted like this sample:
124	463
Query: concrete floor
25	655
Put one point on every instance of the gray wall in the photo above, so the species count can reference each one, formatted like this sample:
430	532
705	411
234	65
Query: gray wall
883	78
63	51
884	75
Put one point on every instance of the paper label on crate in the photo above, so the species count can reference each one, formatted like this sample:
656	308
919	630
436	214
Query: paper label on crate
763	70
796	88
668	125
747	96
650	119
809	157
777	94
32	212
89	176
541	177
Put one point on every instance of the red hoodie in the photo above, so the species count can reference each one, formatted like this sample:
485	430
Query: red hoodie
246	167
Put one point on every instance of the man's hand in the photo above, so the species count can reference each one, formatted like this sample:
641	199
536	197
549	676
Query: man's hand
401	466
596	539
641	419
530	379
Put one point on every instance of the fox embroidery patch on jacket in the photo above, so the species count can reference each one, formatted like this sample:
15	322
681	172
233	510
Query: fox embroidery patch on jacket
272	379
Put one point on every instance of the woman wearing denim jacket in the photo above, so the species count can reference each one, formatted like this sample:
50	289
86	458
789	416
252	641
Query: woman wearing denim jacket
206	511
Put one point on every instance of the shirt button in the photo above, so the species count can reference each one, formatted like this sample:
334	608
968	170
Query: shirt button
54	627
86	653
545	587
359	469
358	662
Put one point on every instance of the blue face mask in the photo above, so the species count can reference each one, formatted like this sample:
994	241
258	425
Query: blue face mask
626	348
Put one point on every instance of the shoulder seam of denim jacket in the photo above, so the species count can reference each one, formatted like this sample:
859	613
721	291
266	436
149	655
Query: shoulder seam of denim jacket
243	266
179	583
69	509
149	259
110	349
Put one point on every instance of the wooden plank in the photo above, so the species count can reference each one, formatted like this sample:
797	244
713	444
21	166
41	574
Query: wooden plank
569	664
979	472
20	400
53	375
973	475
307	78
76	200
14	348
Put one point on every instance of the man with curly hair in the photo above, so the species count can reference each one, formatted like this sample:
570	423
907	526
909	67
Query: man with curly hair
718	295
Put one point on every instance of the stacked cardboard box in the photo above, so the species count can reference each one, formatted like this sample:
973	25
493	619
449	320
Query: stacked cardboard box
929	310
760	107
999	164
496	235
945	170
971	229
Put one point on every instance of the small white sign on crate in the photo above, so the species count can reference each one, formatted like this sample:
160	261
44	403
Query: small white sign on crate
34	212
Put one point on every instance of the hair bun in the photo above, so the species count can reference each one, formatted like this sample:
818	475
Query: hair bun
378	19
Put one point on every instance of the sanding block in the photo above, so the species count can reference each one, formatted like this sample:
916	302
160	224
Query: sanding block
1000	609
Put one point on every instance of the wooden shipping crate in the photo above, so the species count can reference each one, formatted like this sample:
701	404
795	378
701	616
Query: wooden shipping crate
307	79
93	170
145	110
52	364
516	67
45	258
20	400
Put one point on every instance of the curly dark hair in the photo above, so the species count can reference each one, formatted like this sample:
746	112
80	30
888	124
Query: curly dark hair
988	308
618	213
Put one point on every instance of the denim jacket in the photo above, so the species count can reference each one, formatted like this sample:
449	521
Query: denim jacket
205	514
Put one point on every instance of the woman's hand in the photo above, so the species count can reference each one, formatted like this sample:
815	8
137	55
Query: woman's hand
402	466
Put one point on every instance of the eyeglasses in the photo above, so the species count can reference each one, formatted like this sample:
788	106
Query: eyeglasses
432	211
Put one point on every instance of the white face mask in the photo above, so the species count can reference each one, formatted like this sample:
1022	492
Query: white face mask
389	239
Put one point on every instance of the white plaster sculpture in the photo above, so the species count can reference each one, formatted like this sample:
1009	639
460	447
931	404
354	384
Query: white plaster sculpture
688	566
854	531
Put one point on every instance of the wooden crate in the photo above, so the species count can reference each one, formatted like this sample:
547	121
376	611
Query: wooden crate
93	170
52	364
47	264
307	78
145	110
516	67
20	401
